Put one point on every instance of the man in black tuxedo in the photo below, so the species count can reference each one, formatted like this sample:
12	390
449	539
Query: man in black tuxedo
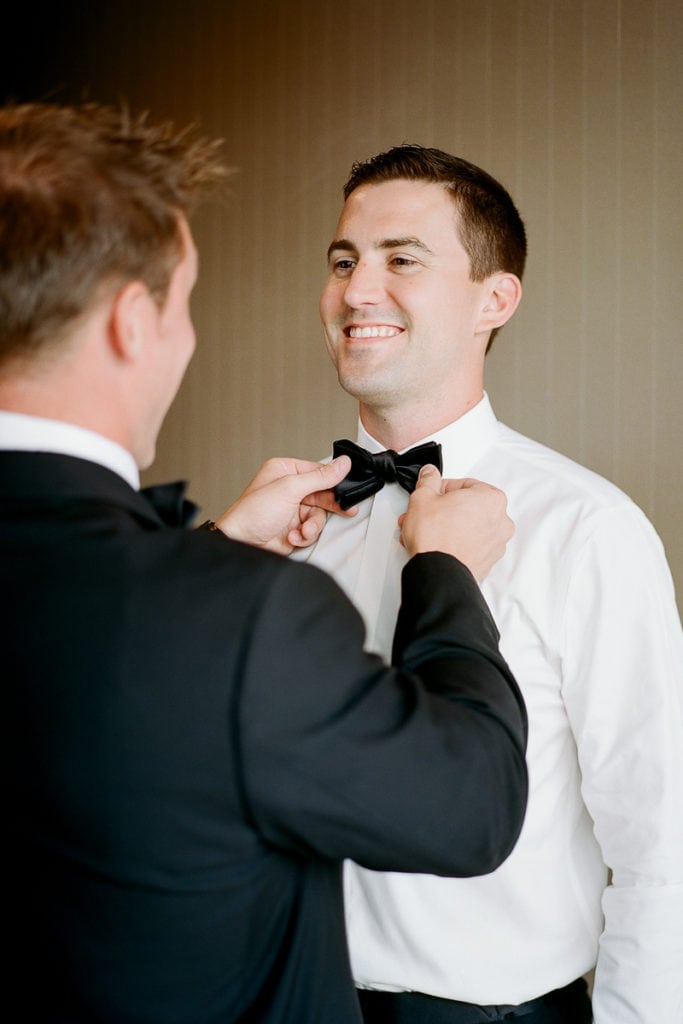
195	737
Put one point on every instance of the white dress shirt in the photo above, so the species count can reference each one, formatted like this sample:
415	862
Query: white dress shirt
584	602
19	432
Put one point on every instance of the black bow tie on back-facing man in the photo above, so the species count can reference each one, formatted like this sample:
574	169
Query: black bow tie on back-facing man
370	471
170	504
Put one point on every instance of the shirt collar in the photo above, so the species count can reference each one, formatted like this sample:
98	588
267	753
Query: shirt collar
463	442
19	432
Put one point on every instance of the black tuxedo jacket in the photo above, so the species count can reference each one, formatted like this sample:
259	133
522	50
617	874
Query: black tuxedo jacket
196	740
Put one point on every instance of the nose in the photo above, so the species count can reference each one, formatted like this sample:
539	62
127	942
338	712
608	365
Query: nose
365	285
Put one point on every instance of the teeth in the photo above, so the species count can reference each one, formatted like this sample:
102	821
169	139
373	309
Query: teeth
373	332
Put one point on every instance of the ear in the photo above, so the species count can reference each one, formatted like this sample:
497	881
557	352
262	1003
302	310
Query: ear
129	323
501	299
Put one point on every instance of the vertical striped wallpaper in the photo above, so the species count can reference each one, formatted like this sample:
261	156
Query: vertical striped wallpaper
574	104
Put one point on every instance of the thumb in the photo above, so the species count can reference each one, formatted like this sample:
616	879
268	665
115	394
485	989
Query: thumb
322	478
429	477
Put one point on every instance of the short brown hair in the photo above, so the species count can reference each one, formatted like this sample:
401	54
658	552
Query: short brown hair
488	224
89	199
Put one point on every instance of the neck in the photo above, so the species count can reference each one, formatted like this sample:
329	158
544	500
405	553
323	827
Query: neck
399	429
76	399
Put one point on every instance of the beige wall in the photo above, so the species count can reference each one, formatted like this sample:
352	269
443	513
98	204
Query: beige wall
574	104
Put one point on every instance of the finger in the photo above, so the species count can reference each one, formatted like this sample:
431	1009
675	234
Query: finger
323	477
332	472
280	467
429	478
307	533
461	483
311	527
273	469
326	501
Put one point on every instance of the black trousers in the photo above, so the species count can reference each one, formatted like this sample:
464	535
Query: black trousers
568	1005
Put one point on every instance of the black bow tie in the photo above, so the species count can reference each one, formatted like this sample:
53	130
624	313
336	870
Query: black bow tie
369	472
170	504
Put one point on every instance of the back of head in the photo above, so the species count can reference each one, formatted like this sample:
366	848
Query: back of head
89	199
488	222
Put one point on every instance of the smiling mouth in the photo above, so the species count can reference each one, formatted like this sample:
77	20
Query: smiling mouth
375	331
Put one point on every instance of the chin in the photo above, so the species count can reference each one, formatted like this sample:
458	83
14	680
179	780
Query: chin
363	387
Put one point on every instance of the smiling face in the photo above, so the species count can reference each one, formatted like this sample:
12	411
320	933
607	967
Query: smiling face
404	323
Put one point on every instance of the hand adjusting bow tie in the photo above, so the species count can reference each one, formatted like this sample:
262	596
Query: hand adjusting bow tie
371	471
170	504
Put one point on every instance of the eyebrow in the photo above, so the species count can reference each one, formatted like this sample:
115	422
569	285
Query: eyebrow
344	245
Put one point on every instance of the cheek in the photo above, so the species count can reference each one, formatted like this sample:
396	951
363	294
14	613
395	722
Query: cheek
330	302
185	328
331	345
182	342
191	344
191	333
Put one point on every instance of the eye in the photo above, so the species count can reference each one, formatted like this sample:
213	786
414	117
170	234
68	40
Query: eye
342	265
401	262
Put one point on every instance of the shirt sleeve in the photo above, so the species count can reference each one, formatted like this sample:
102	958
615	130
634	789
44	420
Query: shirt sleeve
415	768
623	691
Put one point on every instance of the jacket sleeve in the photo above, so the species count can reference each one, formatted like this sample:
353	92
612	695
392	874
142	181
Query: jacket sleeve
418	767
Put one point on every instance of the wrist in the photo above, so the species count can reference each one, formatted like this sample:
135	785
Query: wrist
209	524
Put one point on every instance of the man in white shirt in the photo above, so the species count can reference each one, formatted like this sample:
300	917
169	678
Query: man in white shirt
424	268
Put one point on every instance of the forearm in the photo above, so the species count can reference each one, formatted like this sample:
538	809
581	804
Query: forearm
383	766
442	614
